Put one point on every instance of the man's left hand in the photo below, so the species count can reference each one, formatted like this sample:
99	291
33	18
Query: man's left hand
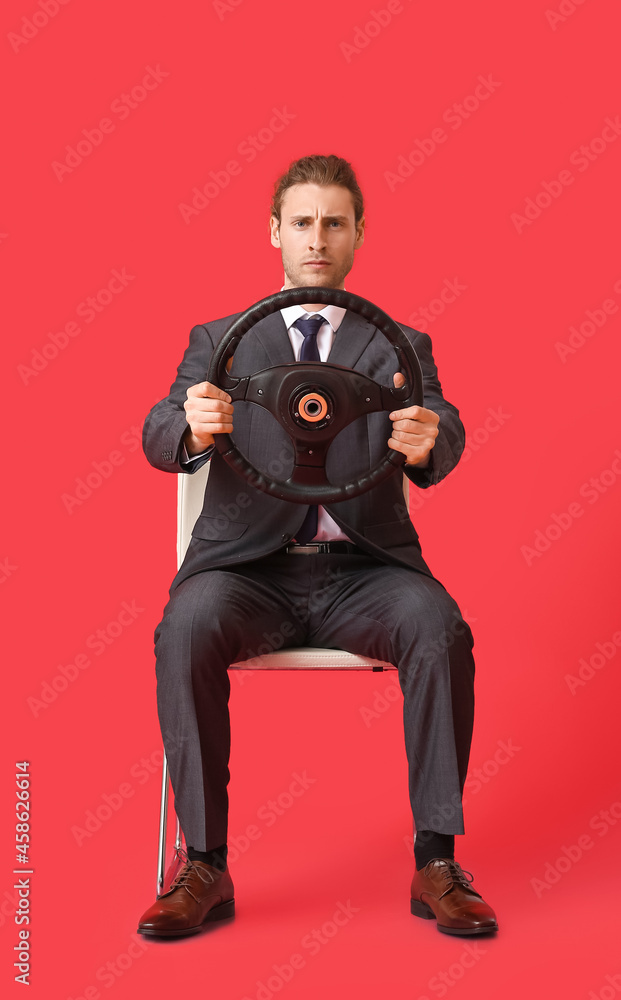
414	430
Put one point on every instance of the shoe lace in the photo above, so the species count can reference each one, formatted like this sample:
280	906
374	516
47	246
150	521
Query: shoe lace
183	878
455	875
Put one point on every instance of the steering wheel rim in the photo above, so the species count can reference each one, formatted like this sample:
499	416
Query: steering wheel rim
411	393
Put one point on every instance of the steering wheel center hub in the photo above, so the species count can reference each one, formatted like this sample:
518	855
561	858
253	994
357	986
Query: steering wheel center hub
312	407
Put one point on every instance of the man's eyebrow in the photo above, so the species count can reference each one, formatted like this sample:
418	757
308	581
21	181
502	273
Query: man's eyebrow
328	218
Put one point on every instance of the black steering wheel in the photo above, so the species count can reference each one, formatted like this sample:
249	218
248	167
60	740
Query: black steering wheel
313	402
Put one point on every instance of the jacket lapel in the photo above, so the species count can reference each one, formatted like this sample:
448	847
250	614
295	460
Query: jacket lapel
271	333
351	340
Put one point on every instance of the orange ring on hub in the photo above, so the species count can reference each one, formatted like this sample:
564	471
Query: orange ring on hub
313	397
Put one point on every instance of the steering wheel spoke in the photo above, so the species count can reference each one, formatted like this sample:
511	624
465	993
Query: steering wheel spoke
237	388
310	454
393	398
308	475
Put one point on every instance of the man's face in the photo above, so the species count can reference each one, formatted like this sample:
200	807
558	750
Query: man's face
317	235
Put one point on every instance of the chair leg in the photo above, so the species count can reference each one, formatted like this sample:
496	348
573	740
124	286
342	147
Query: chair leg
161	851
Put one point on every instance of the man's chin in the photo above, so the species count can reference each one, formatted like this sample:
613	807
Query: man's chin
316	279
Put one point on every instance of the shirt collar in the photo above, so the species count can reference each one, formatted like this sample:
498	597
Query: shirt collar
333	314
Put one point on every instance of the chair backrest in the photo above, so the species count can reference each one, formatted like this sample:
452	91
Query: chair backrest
190	495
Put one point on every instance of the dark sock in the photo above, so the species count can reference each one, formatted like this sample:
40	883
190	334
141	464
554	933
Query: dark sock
216	857
429	845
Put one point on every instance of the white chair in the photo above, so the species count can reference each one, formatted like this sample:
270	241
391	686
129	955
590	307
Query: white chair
190	494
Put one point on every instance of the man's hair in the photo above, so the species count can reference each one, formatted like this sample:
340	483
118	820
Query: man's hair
322	170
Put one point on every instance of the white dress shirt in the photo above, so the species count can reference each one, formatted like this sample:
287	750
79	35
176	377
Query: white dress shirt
327	528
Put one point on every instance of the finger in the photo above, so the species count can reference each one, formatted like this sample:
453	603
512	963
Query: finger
416	428
208	390
206	404
407	424
406	447
412	452
422	416
411	441
398	379
211	425
413	412
203	417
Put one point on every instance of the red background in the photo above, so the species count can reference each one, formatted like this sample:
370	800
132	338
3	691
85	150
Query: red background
367	95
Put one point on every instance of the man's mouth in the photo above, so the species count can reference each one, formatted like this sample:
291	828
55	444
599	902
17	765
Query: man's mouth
316	263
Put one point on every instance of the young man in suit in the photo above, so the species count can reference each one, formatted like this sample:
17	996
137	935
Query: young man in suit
267	566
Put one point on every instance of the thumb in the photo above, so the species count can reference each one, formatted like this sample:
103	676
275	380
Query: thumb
399	380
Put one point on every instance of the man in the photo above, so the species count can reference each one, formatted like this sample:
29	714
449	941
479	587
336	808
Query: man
268	568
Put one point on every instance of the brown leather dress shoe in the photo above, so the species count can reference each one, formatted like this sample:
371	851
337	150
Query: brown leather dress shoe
198	894
442	891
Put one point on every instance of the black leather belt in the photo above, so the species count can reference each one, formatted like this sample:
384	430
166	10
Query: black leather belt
324	548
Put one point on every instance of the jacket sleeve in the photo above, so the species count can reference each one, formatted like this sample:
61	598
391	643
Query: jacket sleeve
166	424
451	438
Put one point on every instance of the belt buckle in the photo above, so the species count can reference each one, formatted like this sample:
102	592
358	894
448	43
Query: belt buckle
310	548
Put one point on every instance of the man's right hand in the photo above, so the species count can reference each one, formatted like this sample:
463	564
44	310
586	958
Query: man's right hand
208	411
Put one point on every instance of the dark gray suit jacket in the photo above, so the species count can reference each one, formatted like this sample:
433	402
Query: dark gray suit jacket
239	523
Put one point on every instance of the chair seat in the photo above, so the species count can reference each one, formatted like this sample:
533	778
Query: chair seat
311	658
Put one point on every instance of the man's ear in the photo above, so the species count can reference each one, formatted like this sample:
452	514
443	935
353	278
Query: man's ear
359	234
274	231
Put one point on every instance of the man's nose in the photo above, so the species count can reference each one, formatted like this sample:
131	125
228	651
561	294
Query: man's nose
317	238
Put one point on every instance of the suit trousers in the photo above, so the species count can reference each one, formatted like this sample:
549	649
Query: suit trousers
341	601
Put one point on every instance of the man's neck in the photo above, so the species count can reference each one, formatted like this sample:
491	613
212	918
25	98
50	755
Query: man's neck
310	306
